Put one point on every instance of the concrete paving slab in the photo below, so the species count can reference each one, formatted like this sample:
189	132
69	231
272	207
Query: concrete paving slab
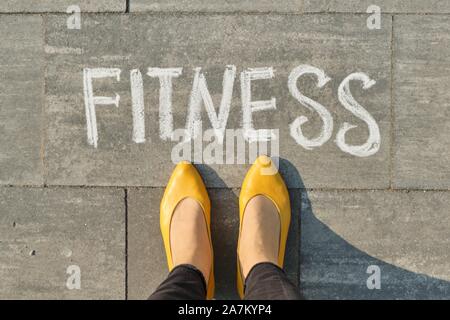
291	6
32	6
218	6
146	257
45	232
147	266
404	234
21	99
421	102
340	45
386	6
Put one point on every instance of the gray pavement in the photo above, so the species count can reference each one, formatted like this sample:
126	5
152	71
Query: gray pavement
65	203
45	231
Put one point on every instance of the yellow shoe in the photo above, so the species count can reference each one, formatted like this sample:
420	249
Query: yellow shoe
185	182
263	179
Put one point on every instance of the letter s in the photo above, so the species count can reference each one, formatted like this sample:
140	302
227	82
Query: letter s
372	144
295	127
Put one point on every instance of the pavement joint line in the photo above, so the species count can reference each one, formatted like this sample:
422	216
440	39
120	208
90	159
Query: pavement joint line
44	125
298	239
126	241
228	13
392	126
284	13
343	190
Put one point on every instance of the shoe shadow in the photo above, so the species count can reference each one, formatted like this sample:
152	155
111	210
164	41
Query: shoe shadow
332	268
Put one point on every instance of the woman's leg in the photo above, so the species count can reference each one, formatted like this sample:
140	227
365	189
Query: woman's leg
267	281
185	282
191	254
258	253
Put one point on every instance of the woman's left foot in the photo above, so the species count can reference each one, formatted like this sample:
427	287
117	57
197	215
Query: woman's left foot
260	234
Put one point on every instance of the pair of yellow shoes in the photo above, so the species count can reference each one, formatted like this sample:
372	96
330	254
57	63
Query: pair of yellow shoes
261	179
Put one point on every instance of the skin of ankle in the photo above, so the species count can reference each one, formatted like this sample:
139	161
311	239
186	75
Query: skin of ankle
189	241
259	237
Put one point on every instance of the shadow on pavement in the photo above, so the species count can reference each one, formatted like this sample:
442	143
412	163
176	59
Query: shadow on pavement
331	268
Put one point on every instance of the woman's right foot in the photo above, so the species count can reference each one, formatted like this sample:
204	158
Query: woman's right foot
189	241
185	219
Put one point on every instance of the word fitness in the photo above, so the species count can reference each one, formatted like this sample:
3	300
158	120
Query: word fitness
200	96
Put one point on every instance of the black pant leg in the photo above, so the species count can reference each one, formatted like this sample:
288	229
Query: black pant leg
184	282
266	281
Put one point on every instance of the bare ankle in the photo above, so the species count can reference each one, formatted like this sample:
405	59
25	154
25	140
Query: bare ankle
189	237
259	237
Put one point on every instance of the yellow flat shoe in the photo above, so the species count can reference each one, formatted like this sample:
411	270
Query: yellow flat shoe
263	179
185	182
